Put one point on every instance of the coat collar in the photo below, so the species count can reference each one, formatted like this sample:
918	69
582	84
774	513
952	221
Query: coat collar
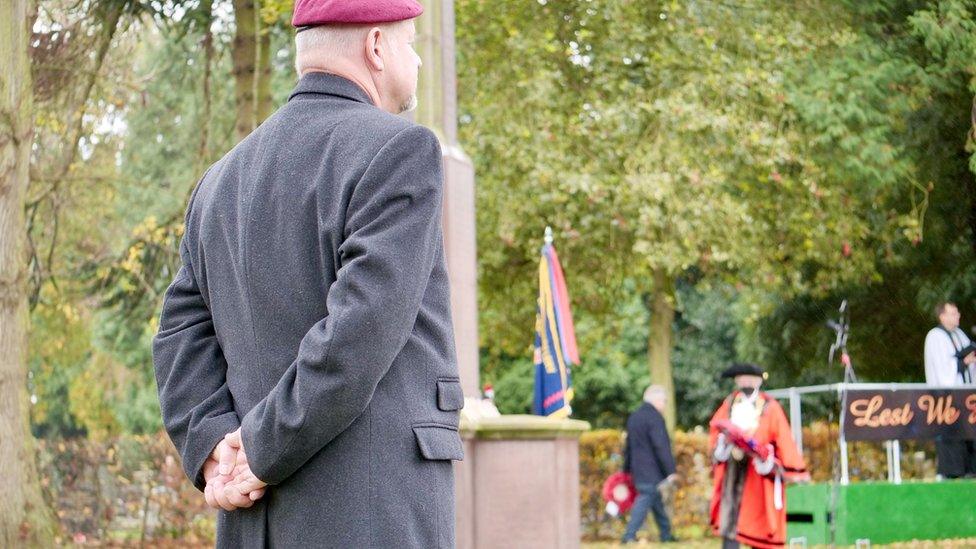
330	84
648	406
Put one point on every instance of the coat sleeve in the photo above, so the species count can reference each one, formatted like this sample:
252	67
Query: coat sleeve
661	444
191	373
628	462
391	240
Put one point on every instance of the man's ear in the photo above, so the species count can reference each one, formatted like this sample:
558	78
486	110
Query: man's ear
374	49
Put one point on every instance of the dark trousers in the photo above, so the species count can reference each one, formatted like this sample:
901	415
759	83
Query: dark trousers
648	498
956	458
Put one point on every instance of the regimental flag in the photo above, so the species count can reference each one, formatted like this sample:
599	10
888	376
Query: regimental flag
555	340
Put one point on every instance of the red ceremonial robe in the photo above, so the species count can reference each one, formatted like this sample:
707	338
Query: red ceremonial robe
760	523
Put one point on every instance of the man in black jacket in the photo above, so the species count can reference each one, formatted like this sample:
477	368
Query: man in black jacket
648	458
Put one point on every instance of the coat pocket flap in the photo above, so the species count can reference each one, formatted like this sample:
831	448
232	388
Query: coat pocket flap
439	442
450	397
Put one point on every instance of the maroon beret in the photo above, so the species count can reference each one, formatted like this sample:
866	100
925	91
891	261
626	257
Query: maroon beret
309	13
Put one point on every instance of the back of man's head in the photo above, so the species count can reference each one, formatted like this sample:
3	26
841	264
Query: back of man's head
319	48
379	58
319	45
656	396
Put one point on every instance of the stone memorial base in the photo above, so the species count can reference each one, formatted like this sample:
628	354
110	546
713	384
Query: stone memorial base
518	485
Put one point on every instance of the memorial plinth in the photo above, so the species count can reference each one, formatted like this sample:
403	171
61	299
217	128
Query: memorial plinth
518	485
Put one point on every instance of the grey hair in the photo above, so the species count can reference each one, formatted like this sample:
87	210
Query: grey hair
654	391
328	40
333	41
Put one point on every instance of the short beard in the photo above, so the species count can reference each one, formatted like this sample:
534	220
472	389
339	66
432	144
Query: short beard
748	391
409	104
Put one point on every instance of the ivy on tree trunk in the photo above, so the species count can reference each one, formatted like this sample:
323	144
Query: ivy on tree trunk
24	519
251	54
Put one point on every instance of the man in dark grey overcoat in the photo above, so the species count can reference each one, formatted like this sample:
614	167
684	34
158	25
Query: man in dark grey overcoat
305	357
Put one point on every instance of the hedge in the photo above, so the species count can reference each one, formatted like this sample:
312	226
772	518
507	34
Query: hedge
132	488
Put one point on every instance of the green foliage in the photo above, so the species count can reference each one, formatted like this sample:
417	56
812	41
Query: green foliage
657	136
513	390
767	160
922	59
168	142
610	383
60	345
706	333
114	223
771	157
607	386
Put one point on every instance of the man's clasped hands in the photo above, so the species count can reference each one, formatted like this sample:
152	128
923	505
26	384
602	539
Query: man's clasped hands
230	483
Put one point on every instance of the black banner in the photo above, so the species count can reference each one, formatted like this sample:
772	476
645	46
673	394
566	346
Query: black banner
910	414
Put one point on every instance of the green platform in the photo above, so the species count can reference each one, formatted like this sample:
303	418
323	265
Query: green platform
883	512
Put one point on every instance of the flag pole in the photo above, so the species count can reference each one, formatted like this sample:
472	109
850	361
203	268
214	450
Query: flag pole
548	237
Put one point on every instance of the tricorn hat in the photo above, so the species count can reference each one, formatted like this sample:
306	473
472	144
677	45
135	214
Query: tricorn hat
744	369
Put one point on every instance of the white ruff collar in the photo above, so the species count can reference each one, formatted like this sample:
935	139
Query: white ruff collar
745	412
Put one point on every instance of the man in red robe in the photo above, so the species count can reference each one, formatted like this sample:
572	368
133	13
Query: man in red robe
754	455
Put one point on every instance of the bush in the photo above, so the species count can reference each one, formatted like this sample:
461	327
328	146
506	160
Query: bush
130	488
601	454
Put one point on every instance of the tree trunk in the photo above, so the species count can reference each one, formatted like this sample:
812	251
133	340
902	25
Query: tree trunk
659	343
252	67
244	55
24	518
203	149
262	84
